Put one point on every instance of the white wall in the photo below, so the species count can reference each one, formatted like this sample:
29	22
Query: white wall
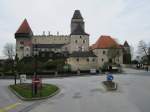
102	57
79	42
82	64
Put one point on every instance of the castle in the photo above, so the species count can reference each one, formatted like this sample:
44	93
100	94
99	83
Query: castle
75	46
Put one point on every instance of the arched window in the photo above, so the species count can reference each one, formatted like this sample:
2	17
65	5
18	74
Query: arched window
84	41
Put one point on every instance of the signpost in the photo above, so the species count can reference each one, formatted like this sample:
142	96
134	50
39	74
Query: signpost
36	84
23	78
110	77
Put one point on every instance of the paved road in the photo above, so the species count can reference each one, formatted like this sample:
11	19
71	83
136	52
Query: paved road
131	71
86	94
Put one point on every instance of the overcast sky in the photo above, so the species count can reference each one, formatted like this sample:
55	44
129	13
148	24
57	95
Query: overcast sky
122	19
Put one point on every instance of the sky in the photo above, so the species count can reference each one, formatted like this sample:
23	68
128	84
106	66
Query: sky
122	19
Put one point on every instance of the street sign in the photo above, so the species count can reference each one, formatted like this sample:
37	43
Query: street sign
110	77
23	78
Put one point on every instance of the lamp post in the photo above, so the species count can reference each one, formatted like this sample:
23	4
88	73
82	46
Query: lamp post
35	60
15	63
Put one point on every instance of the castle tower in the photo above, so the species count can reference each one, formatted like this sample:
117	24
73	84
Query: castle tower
126	47
76	21
126	53
23	40
79	38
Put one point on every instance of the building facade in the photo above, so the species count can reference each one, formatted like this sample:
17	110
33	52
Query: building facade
75	46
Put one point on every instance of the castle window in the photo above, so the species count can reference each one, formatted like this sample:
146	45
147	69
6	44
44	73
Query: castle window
84	41
93	59
102	59
117	52
104	52
77	59
76	41
80	36
87	59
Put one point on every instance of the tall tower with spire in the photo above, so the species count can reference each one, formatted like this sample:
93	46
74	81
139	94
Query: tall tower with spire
126	53
77	21
23	38
79	38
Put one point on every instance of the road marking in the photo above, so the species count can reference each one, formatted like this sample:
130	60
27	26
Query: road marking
9	107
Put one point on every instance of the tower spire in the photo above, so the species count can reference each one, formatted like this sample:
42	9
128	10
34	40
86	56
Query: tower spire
24	30
77	15
77	24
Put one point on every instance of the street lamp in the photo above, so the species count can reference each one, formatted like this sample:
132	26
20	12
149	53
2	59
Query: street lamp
35	60
35	79
14	64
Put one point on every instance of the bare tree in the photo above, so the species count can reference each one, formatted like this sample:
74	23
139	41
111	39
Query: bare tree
9	50
113	53
143	49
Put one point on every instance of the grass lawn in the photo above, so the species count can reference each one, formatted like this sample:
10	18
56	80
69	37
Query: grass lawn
25	90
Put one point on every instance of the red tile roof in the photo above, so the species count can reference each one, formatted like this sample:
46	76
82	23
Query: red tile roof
105	42
24	28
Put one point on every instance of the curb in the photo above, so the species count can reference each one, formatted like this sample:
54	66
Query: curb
32	99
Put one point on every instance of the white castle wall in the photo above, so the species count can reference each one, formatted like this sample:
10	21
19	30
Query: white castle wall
51	39
102	57
79	42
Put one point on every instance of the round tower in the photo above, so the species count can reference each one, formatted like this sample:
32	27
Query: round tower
23	40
